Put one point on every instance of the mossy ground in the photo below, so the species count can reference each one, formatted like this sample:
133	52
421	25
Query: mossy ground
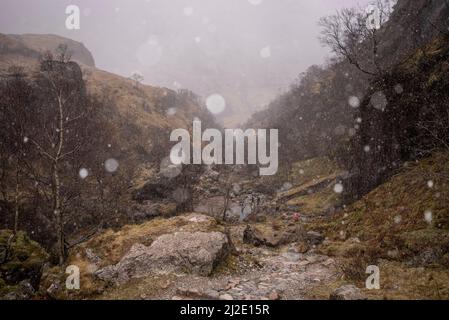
392	226
21	259
141	288
316	168
314	180
316	203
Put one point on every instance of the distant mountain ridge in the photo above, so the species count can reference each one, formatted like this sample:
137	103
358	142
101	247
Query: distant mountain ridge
32	45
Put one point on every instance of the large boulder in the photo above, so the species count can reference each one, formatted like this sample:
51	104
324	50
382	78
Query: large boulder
180	252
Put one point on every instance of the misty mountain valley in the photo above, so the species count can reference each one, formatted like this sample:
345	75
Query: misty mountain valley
226	150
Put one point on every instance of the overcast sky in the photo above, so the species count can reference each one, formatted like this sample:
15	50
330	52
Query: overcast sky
246	50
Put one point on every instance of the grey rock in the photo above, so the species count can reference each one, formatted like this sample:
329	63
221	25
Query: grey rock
226	296
92	257
347	292
180	252
24	291
427	256
292	256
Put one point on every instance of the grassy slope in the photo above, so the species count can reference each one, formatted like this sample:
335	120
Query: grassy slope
314	180
388	228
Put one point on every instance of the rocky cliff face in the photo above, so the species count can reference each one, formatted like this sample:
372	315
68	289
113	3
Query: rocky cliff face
31	45
412	25
411	124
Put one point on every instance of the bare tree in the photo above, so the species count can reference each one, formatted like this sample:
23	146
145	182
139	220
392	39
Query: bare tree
59	131
51	129
137	78
15	121
353	34
63	54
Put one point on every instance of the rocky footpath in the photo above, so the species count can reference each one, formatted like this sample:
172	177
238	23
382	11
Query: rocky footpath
288	275
217	262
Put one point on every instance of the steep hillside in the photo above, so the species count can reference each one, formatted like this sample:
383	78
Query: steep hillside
134	131
143	115
403	227
403	117
318	114
411	25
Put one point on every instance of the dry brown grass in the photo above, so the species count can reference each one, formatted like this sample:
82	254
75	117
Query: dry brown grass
377	236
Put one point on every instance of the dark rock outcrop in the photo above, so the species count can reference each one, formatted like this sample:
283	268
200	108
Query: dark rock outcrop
21	263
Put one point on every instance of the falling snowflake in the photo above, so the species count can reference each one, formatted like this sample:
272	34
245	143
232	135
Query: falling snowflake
265	52
430	184
287	186
397	219
188	11
379	101
83	173
25	139
171	111
197	39
111	165
398	88
215	103
358	120
340	130
352	132
354	102
428	216
168	169
338	188
177	85
149	53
